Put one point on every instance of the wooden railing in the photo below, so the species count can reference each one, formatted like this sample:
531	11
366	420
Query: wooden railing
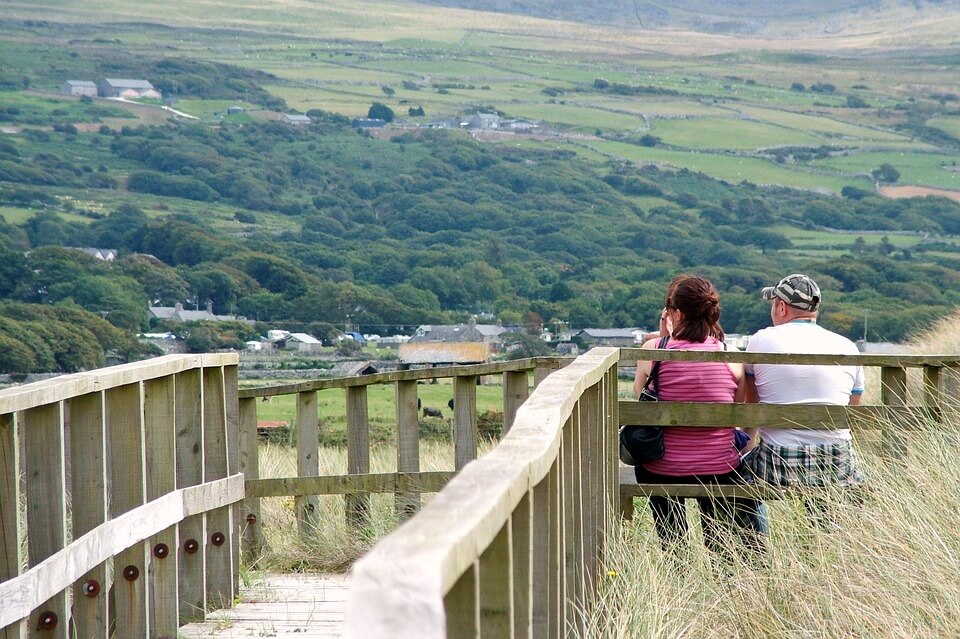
356	485
117	485
513	546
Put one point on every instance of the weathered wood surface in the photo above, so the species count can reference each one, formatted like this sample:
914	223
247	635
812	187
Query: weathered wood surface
816	417
425	482
407	576
551	363
22	594
67	386
291	606
630	356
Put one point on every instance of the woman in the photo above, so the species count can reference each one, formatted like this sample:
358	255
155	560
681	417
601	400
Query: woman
691	321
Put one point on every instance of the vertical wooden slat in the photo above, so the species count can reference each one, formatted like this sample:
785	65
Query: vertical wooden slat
541	372
192	531
951	385
611	426
573	519
231	411
44	467
932	388
160	436
542	557
521	530
515	392
250	467
219	527
462	606
124	411
464	420
592	495
88	472
408	444
358	453
308	462
11	524
556	573
496	586
894	393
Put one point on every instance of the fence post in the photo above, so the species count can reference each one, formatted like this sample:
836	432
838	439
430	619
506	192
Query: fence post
572	520
358	453
542	370
893	393
231	416
160	444
408	445
11	524
308	464
515	392
464	420
192	535
124	409
250	467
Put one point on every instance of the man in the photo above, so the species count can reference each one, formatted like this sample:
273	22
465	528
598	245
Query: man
797	456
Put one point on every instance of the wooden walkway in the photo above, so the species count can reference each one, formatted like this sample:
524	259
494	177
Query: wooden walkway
294	606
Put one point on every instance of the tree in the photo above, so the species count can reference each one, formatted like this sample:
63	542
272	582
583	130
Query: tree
416	112
380	111
885	173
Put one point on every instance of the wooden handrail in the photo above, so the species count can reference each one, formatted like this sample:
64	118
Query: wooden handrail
415	374
553	471
632	355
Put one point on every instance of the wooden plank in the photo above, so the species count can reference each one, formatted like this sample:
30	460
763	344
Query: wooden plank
593	497
893	393
308	462
424	482
252	536
231	410
65	387
630	487
89	499
124	418
220	575
515	391
570	524
408	445
160	438
44	469
632	355
521	530
464	421
933	388
11	523
358	453
556	577
495	588
816	417
191	532
438	372
27	591
462	606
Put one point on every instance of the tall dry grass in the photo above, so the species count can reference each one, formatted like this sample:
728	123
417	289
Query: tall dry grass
889	568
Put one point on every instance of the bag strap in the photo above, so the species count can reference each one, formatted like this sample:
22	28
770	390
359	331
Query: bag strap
655	371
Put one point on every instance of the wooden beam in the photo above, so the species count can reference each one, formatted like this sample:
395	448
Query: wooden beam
250	521
408	445
464	420
192	531
632	355
358	453
44	468
516	389
816	417
307	507
474	370
88	442
220	543
426	482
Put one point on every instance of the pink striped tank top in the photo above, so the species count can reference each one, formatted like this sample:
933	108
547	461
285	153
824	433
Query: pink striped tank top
696	451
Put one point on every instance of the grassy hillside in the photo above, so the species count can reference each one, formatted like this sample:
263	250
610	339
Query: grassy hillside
650	162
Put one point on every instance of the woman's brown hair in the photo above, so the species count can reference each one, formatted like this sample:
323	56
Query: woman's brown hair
698	300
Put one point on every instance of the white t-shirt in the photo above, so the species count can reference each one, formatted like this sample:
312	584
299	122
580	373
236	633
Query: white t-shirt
802	383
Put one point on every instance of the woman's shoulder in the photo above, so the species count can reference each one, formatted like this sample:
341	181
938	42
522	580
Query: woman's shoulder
653	342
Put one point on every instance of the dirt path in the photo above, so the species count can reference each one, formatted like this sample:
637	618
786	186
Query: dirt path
897	192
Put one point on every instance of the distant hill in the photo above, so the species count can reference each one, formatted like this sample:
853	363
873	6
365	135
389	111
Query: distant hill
710	16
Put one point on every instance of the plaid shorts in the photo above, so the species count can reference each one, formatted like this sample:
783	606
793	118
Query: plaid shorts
815	465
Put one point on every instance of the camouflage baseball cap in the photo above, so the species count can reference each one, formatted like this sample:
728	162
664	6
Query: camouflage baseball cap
797	290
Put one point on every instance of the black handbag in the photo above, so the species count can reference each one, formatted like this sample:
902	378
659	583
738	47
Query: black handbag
641	444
